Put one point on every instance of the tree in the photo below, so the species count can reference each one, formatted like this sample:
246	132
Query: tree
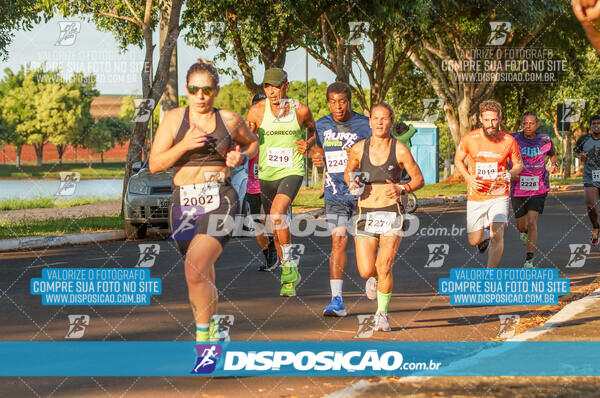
456	28
15	15
391	30
133	23
264	28
579	81
40	107
169	98
317	100
104	134
8	123
65	134
234	96
21	106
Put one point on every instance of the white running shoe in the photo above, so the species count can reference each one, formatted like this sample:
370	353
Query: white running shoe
371	288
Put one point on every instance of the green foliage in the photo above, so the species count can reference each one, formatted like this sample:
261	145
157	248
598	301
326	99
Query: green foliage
115	17
263	29
234	96
18	15
317	101
105	133
39	106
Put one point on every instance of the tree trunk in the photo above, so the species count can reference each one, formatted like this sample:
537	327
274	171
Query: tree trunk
170	98
61	150
151	89
18	149
568	154
102	157
457	126
39	152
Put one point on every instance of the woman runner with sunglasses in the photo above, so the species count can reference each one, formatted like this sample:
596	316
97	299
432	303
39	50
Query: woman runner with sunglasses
378	219
198	141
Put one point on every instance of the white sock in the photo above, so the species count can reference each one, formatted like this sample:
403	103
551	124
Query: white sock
202	326
285	251
336	287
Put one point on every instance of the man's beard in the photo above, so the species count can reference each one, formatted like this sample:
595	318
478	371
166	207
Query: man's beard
492	135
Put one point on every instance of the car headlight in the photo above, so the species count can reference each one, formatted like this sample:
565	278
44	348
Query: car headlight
138	187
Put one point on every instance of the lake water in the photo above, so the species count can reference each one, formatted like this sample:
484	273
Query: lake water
32	189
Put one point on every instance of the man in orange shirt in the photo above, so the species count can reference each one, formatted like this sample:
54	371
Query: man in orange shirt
488	180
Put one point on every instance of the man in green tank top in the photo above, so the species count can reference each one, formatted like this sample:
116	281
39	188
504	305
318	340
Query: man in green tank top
279	122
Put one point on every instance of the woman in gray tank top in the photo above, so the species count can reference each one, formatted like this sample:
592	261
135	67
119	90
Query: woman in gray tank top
382	161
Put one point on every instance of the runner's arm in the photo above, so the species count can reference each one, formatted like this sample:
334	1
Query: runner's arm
515	158
163	153
552	154
578	150
412	168
242	136
459	163
306	120
589	16
317	153
353	161
252	118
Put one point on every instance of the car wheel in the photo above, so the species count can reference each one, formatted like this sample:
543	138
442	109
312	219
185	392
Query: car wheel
135	231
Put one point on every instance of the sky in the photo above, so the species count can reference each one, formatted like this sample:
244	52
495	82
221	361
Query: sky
93	51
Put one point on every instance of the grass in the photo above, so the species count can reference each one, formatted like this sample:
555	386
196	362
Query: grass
52	170
442	190
308	198
565	181
44	203
9	230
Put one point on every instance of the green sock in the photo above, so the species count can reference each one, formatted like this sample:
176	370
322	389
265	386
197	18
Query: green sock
383	300
202	333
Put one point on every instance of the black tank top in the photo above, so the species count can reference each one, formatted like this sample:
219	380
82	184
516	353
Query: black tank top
389	170
215	150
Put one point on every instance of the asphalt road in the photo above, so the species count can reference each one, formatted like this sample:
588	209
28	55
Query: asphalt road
417	312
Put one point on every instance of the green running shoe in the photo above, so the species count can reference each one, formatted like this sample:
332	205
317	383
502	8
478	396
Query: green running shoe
289	289
528	264
214	333
289	273
523	237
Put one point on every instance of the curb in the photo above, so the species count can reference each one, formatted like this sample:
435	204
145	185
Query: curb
433	201
37	242
566	314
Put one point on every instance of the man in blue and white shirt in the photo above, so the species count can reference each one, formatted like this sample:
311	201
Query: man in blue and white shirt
336	133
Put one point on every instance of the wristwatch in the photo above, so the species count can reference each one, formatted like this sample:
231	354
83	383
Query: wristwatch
403	189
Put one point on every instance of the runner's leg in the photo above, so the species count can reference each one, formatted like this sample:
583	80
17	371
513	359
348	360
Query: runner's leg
532	217
388	247
591	202
366	251
201	255
496	244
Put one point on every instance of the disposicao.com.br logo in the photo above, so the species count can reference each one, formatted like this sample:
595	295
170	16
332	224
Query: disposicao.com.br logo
270	361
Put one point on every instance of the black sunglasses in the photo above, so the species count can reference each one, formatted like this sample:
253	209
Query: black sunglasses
207	90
